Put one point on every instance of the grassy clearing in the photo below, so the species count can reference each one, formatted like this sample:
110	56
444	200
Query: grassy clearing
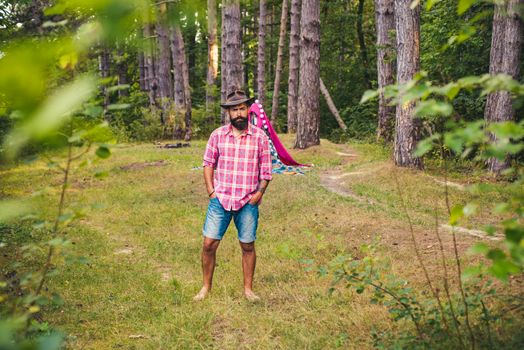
144	250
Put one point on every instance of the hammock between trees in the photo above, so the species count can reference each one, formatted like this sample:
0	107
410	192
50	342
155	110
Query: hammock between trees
281	160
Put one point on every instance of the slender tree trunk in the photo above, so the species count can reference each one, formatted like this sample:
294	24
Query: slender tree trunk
233	45
151	82
385	22
179	93
309	111
332	106
280	54
165	80
182	87
104	59
191	44
121	68
506	44
223	70
408	63
362	43
261	56
142	71
212	59
294	62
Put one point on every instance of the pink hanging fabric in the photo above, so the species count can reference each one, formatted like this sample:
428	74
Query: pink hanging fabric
263	123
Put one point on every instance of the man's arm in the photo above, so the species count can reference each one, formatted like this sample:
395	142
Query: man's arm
261	188
209	173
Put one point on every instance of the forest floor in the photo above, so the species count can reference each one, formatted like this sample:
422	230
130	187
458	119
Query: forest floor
144	248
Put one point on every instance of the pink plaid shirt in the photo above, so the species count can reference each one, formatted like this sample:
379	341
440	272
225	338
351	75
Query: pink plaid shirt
239	162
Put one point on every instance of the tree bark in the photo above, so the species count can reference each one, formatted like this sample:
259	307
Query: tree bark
142	71
294	62
121	67
223	56
308	110
165	80
385	22
332	106
233	45
408	63
261	56
506	43
104	59
212	59
182	87
151	82
280	54
179	60
362	44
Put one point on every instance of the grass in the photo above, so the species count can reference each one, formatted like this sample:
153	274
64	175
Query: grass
144	250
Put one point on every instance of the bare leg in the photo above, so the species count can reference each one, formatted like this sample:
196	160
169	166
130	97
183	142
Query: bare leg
209	249
249	260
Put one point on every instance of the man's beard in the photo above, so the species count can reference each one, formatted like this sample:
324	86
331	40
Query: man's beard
239	123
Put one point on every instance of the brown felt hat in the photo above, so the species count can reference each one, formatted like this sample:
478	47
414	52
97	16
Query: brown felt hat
235	98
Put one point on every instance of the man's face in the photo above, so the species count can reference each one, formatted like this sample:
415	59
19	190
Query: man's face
238	116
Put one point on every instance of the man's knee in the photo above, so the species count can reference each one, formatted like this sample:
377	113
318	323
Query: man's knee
210	246
247	247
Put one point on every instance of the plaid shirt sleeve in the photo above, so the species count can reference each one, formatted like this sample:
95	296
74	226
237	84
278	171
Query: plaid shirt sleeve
211	153
265	159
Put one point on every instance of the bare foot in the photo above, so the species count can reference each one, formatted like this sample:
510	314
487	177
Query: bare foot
251	296
201	295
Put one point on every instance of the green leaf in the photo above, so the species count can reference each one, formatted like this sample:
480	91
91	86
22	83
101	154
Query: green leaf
118	87
118	106
501	208
454	142
471	271
470	209
369	95
103	152
464	5
101	174
457	213
52	113
507	129
432	108
479	248
430	3
425	145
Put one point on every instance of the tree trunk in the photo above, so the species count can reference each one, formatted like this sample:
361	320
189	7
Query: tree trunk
506	43
182	88
362	44
104	59
280	54
142	73
261	56
179	93
408	63
308	89
212	59
121	67
233	61
294	62
385	22
223	56
332	106
165	80
151	82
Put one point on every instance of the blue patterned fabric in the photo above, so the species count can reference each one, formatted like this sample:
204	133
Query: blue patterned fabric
277	166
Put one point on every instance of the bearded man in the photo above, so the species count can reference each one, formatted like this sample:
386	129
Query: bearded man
237	171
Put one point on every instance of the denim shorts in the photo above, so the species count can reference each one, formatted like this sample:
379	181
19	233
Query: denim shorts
218	219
